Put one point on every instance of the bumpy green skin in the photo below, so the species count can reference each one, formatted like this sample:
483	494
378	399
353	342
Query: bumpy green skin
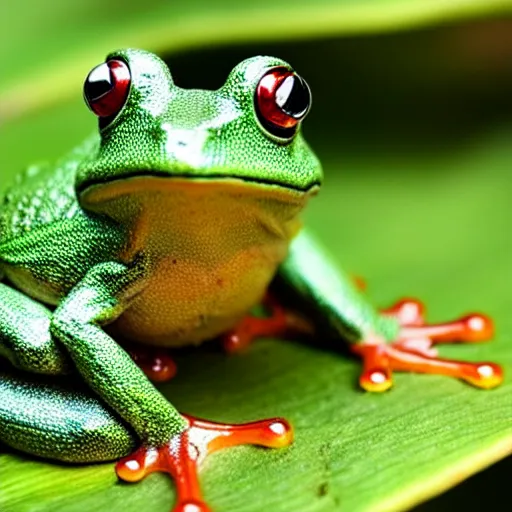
62	421
61	247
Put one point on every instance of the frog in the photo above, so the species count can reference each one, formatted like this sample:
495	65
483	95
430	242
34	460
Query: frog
166	228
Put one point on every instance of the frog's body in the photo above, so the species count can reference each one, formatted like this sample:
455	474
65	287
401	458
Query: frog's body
212	245
168	228
224	244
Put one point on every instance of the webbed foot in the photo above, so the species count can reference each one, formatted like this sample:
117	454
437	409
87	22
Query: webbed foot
415	350
279	322
181	457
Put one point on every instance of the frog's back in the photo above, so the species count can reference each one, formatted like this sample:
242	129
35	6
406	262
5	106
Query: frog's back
39	196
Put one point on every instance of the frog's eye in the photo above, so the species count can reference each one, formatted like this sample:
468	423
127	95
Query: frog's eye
106	88
282	100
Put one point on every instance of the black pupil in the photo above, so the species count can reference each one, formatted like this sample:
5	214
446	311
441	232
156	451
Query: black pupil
99	82
293	96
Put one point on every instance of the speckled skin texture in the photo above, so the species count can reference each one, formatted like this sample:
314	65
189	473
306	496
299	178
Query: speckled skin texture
57	421
169	226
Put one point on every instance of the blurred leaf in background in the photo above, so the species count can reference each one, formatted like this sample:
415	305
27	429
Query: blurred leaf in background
412	118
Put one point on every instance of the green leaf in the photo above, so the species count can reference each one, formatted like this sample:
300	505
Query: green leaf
415	139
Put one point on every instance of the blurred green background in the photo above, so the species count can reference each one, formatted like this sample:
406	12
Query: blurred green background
412	118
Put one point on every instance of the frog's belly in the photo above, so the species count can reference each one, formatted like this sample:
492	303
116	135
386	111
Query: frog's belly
187	303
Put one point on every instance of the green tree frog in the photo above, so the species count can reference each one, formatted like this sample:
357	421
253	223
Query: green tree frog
167	228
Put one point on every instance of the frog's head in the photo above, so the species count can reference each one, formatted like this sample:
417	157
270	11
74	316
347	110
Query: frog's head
247	132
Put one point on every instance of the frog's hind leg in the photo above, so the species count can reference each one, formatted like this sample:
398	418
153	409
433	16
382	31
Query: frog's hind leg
59	421
25	338
64	422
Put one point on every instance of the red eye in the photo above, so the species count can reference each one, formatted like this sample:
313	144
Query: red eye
106	88
282	100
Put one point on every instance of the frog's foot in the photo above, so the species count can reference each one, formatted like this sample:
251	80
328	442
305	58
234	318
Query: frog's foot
407	312
154	362
280	322
415	349
181	457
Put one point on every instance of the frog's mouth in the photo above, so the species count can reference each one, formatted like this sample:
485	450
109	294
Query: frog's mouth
85	187
142	182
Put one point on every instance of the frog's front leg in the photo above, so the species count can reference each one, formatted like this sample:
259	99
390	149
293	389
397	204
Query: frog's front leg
394	339
171	443
414	349
98	299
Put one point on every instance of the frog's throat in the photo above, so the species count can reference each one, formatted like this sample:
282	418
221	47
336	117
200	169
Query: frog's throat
183	210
